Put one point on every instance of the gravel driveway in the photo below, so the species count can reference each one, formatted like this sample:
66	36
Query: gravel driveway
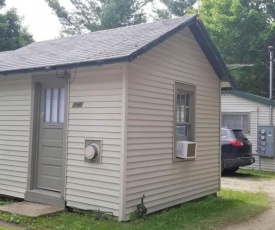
264	221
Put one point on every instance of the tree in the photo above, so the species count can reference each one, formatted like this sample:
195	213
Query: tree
94	15
175	7
13	34
242	30
2	3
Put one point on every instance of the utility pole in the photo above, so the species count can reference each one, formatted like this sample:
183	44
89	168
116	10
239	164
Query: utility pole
271	52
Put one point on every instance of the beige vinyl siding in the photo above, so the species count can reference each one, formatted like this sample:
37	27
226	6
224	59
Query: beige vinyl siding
95	186
150	169
15	110
232	103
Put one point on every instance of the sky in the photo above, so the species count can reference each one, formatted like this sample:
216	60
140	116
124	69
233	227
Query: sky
38	17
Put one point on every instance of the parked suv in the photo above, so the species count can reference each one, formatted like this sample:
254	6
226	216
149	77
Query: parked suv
236	150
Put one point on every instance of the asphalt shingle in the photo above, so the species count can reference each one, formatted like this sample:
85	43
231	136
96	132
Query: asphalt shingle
96	46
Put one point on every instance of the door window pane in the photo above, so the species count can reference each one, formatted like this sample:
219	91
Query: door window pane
47	116
54	102
61	105
54	105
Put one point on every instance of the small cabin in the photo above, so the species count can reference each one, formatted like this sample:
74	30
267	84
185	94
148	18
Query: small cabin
96	121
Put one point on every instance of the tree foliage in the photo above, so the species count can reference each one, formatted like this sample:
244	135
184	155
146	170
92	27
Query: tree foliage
13	34
2	3
93	15
175	7
242	30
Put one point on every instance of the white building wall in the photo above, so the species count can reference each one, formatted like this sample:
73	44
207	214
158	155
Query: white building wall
95	186
15	110
150	168
232	103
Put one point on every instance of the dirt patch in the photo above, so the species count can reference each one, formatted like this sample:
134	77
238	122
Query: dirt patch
247	184
264	221
10	226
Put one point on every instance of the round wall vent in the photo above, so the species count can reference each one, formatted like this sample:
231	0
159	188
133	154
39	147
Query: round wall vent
92	151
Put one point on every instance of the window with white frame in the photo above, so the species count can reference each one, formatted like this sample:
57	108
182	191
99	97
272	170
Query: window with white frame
236	121
184	114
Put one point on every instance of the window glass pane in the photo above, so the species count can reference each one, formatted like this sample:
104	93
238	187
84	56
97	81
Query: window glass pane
178	107
181	132
47	104
182	111
54	105
61	105
245	123
187	115
187	106
187	100
227	120
236	122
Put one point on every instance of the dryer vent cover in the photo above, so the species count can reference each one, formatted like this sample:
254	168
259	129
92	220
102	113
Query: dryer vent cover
93	151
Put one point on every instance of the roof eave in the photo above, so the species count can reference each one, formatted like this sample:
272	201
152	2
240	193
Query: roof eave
251	97
70	66
196	27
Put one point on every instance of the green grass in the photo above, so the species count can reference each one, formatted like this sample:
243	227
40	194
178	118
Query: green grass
1	228
208	213
4	200
254	174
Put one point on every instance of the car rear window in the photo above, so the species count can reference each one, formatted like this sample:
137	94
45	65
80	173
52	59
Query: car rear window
223	133
239	134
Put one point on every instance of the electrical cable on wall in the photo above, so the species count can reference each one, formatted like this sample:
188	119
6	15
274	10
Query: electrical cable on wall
76	68
66	75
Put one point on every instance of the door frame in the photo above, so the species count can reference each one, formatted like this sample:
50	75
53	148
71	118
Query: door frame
36	83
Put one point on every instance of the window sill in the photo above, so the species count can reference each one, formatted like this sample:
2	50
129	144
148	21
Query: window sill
176	160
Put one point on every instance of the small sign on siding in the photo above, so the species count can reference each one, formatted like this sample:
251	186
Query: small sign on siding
78	104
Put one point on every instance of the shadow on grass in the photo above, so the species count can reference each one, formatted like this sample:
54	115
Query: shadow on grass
241	175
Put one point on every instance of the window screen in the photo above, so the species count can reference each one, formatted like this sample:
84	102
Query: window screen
236	121
54	105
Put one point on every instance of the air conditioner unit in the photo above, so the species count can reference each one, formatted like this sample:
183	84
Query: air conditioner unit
186	149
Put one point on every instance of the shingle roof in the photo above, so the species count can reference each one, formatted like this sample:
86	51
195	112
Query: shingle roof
96	46
109	46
